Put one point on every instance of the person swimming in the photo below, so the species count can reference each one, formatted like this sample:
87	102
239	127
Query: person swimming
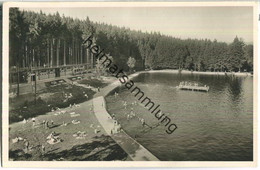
143	122
125	104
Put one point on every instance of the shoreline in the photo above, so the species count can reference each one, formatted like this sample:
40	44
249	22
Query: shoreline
199	72
116	83
134	149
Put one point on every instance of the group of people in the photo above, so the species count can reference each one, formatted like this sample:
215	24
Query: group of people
53	109
116	94
46	124
80	135
116	128
68	96
85	94
27	146
185	83
92	88
53	138
74	105
132	113
125	104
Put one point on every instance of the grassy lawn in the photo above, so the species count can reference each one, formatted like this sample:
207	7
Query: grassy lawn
24	106
93	82
92	147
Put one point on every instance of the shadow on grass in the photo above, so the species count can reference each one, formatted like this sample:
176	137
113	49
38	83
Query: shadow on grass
28	108
54	126
19	154
102	148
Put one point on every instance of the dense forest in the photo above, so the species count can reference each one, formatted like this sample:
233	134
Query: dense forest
41	40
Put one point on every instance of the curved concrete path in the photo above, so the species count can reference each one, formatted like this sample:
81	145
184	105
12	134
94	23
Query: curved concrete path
135	150
106	90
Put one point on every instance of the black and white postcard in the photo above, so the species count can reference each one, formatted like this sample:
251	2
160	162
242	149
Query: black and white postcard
139	84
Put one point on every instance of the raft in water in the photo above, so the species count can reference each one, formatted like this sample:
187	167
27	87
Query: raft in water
185	86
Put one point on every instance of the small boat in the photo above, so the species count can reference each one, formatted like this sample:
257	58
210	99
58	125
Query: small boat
192	87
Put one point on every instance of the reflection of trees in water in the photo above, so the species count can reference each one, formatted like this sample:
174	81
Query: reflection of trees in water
229	85
235	88
215	82
143	77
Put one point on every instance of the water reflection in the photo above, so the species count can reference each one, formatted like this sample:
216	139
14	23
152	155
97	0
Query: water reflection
235	90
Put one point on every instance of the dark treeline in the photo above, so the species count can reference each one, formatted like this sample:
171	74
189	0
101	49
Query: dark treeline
40	40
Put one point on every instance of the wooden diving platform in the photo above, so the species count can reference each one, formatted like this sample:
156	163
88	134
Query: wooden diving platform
195	87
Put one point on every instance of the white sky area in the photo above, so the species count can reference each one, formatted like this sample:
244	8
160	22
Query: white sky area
221	23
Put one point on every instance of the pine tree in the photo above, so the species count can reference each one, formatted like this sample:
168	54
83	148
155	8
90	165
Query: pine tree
236	54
